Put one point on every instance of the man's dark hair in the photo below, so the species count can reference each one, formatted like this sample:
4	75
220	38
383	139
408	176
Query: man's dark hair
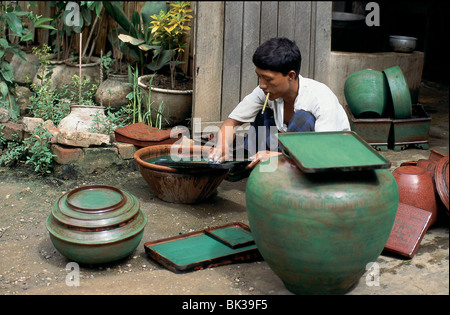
278	54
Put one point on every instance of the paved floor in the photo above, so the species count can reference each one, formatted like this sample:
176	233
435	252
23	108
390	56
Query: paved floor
29	264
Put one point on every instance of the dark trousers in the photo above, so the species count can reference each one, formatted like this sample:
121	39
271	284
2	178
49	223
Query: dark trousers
262	136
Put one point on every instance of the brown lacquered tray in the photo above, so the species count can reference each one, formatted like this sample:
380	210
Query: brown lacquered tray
410	225
331	151
216	246
143	135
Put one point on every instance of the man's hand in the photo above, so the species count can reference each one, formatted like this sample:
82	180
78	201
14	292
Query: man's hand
223	150
261	156
217	156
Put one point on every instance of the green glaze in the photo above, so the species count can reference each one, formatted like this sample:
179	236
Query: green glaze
233	235
366	92
319	231
92	219
399	90
96	224
100	254
196	248
92	199
349	151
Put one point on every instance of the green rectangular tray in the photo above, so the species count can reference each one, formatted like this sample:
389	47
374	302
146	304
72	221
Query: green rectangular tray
225	244
331	151
234	236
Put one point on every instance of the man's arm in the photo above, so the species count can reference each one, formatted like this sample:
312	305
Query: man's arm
224	141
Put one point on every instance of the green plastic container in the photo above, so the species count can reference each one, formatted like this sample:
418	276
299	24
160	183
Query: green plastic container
367	92
319	231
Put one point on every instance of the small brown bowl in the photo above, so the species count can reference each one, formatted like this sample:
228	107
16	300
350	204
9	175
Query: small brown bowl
416	188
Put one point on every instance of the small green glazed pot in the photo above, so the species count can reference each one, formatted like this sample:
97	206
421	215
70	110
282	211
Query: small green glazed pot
366	92
96	224
319	231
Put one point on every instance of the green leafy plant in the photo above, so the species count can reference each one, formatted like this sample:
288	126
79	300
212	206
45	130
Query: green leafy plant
34	150
46	102
90	15
39	154
83	91
12	20
2	137
134	35
108	63
14	151
170	30
113	119
143	113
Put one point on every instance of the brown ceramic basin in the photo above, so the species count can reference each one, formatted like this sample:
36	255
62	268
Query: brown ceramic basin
178	185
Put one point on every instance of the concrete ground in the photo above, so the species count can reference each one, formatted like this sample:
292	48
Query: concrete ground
30	265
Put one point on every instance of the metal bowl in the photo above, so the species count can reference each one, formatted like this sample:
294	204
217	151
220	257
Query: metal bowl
344	16
403	44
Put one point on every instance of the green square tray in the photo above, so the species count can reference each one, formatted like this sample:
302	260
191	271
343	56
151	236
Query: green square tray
221	245
331	151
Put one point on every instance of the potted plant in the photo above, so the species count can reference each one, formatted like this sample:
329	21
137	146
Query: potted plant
134	35
170	30
113	91
83	110
91	12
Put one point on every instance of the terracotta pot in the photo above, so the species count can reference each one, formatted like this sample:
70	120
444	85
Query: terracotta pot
428	165
318	231
436	155
416	188
113	91
173	185
177	104
96	224
90	71
441	180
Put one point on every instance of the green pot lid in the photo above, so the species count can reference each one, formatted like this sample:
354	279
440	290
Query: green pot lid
95	206
401	97
95	199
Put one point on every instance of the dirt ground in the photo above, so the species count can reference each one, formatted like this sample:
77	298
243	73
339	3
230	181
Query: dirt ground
30	265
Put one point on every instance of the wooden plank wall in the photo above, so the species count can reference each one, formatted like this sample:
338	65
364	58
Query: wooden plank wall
226	36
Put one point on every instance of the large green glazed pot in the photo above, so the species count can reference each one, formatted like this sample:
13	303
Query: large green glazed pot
367	93
96	224
318	231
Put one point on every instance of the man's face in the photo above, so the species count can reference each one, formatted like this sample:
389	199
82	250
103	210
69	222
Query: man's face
275	83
